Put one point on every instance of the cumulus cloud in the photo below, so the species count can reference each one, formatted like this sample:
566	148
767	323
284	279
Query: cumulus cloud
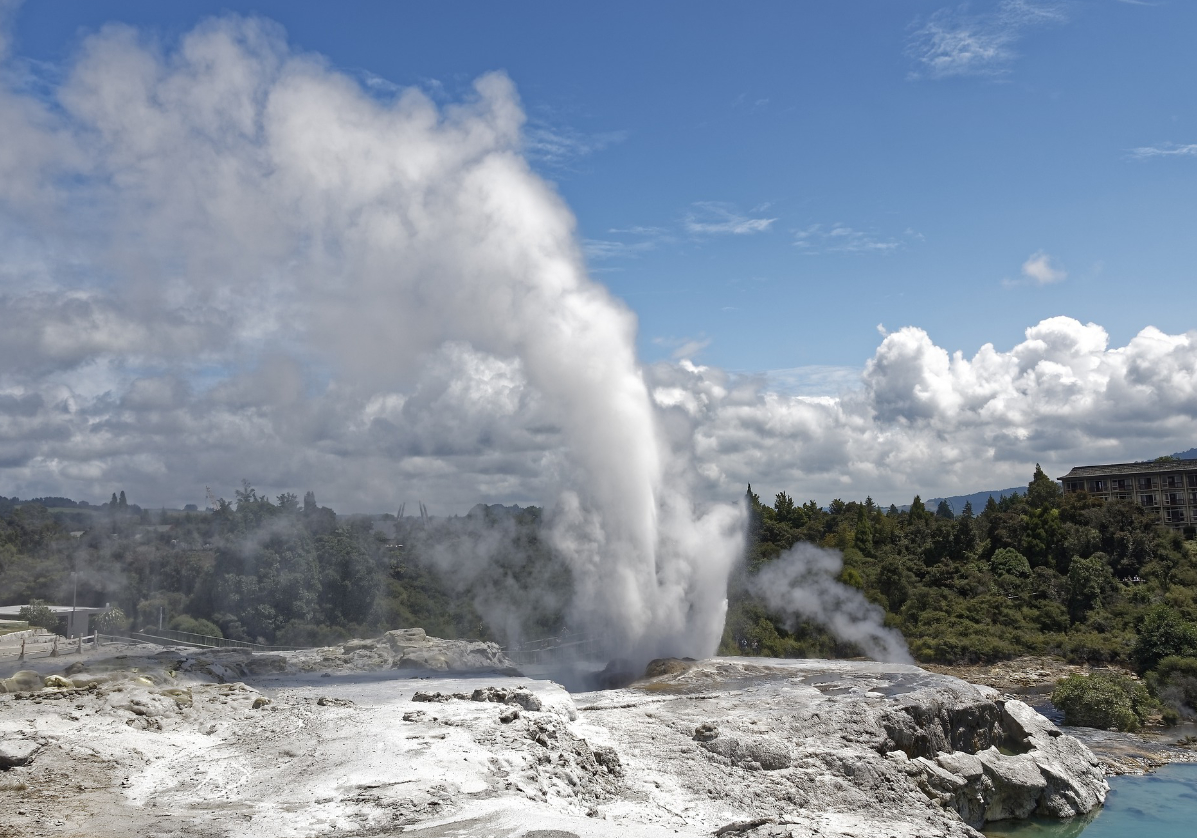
1041	268
926	420
954	41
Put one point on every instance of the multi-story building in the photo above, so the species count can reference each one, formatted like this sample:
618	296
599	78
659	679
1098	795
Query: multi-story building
1166	487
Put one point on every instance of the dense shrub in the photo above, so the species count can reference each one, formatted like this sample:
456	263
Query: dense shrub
112	620
195	626
1163	633
305	634
1174	683
38	614
1103	700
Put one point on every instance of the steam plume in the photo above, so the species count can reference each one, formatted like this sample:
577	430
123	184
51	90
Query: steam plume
802	583
238	203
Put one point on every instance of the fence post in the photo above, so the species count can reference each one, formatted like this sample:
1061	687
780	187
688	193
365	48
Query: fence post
54	648
22	657
95	638
79	644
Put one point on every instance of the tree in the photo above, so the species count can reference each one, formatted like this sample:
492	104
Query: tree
1009	562
288	502
917	511
1087	579
944	511
112	504
309	500
1163	633
891	581
112	620
1042	491
38	614
122	503
787	511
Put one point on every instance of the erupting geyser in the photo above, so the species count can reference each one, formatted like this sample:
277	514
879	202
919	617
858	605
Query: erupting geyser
243	211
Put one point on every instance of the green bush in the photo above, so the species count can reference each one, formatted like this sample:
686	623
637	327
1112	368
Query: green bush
195	626
38	614
1163	633
305	634
1103	700
112	620
1174	683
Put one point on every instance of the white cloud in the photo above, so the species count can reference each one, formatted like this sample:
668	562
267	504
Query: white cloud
839	238
1165	150
956	42
600	249
926	420
560	146
813	380
718	218
683	348
1041	268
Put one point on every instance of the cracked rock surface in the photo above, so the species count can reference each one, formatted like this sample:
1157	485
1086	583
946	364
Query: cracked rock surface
155	744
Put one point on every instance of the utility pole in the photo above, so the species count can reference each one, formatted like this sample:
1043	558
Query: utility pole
74	597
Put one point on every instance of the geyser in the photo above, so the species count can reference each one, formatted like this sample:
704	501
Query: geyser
259	208
234	229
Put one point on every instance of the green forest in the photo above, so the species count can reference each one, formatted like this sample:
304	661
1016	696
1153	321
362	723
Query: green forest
1037	573
281	572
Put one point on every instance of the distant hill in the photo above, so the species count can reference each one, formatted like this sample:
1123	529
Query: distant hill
1191	454
977	499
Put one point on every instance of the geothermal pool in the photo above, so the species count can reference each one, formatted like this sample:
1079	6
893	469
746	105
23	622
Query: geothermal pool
1162	804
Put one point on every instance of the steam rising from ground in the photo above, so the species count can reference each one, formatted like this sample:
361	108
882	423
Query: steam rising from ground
241	201
802	583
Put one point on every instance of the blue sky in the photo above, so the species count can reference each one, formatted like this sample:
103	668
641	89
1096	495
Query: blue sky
775	180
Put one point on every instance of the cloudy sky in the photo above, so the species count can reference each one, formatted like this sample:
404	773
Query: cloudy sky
870	248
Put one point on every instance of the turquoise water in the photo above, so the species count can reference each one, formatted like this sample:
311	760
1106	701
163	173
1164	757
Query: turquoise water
1158	805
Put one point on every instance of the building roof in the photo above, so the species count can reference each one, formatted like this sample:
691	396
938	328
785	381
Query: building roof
57	610
1132	468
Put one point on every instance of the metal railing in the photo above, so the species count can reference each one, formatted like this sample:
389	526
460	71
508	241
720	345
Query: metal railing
187	638
566	646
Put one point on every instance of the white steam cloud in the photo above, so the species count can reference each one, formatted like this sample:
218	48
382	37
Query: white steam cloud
244	226
802	582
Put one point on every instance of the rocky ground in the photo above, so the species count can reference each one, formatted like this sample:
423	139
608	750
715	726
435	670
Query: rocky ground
1032	679
411	735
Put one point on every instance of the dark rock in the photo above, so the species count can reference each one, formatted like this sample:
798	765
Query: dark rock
667	666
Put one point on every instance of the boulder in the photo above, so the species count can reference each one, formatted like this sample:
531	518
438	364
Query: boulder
15	752
401	641
24	681
1017	784
1074	780
265	664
